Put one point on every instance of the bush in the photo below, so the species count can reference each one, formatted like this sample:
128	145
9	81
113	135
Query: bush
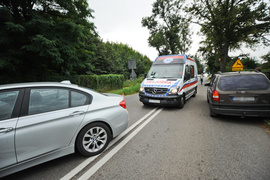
99	83
102	83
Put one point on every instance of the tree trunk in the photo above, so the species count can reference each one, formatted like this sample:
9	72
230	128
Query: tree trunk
224	60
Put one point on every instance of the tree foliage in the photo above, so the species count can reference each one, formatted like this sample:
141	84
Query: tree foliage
227	24
114	57
42	38
169	31
199	63
45	36
266	64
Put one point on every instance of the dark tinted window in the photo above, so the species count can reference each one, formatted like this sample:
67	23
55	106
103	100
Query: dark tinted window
192	71
243	82
187	71
78	99
213	79
44	100
7	103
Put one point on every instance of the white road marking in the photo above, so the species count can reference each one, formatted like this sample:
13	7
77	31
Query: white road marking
108	156
81	166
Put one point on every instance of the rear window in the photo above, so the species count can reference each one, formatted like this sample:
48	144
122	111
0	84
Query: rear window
243	82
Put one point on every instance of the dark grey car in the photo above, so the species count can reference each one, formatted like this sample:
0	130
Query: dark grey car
239	94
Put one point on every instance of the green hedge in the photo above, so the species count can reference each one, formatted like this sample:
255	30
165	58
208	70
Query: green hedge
99	83
102	83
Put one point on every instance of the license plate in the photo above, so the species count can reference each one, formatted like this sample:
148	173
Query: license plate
243	99
154	101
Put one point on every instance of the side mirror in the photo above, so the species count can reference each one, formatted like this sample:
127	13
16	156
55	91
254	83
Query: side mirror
207	84
145	75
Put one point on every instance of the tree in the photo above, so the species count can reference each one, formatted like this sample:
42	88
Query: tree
266	64
112	58
44	37
249	63
169	31
227	24
199	64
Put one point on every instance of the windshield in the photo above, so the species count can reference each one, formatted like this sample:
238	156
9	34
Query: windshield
248	82
166	71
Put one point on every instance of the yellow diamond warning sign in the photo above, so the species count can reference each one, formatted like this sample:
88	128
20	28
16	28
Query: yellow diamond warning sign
237	66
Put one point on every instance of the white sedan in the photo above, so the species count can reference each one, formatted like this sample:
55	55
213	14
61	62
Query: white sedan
43	121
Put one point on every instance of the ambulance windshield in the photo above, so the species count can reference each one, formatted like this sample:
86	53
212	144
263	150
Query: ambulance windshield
166	71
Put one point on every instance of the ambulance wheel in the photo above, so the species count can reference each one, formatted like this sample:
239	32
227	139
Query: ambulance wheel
181	102
145	104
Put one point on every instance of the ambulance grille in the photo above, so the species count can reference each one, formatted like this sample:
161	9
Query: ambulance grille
155	91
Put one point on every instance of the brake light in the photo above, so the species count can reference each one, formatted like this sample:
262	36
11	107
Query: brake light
215	96
123	104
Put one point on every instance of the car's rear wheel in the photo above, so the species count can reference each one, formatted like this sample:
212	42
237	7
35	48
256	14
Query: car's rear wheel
93	139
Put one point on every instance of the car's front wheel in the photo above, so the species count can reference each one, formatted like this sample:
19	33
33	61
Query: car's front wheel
181	102
93	139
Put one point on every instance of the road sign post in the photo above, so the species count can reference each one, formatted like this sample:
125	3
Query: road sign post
132	66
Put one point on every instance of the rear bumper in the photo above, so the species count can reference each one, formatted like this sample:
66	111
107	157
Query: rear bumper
163	101
249	110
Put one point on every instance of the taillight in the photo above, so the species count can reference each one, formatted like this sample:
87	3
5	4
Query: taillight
123	104
215	96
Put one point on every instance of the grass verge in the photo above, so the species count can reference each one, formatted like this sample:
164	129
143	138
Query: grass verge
130	87
267	125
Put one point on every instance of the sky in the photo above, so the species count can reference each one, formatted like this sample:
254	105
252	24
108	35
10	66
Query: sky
119	21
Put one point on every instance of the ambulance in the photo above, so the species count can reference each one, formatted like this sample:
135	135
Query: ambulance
171	81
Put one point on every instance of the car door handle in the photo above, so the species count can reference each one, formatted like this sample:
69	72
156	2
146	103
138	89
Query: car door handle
4	130
76	113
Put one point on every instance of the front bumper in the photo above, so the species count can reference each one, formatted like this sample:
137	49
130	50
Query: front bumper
171	100
246	110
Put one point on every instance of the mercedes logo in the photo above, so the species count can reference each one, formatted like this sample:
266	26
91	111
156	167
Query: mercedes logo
154	91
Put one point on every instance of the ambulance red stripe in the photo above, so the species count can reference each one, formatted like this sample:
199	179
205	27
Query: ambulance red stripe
188	85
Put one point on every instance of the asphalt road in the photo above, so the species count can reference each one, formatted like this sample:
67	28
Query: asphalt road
173	144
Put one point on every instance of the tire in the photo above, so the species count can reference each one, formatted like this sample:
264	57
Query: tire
93	139
181	102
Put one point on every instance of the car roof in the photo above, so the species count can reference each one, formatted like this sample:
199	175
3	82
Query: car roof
238	73
38	84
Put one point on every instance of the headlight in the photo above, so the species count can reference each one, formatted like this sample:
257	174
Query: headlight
174	90
141	89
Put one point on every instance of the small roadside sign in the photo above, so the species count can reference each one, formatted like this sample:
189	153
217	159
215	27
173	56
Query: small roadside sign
131	64
237	66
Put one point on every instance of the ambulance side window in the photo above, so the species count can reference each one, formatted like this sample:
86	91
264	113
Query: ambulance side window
192	71
187	73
